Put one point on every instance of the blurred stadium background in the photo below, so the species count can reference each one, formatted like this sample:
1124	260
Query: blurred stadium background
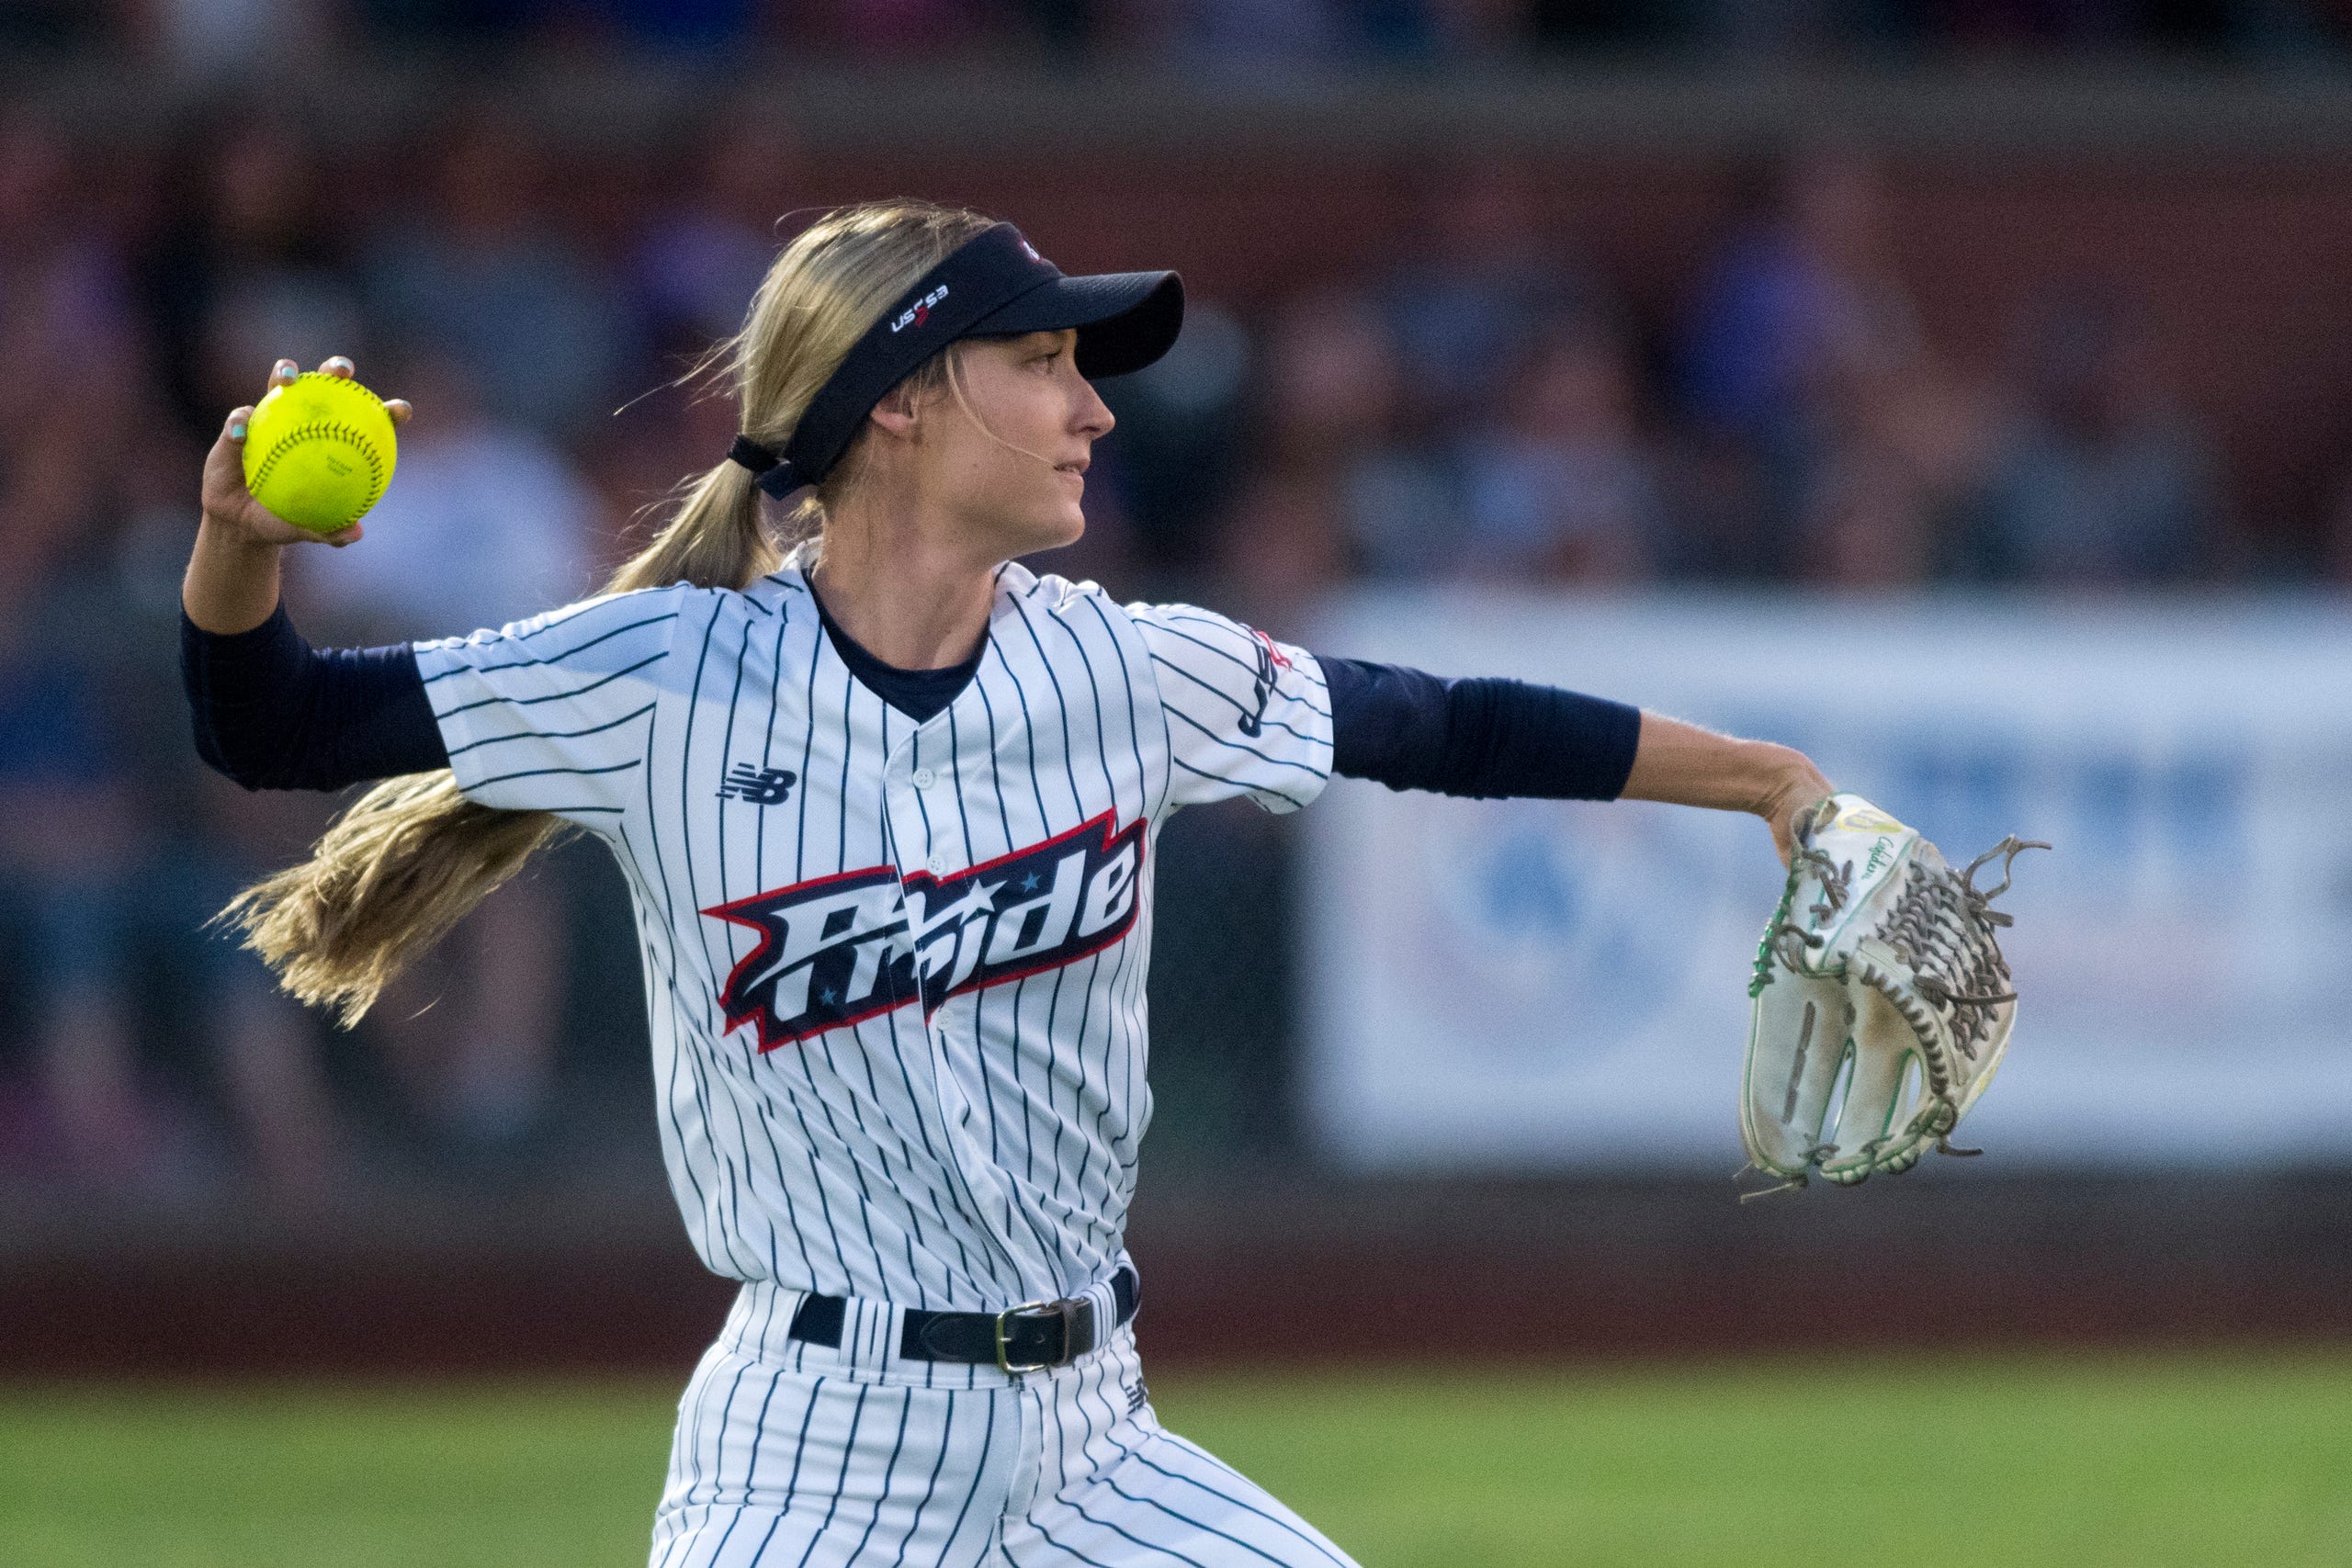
1672	348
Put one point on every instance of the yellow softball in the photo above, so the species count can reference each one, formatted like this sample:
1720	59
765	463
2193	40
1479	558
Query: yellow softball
319	452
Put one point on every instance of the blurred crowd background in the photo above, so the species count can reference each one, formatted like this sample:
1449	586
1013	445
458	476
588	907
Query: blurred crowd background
1488	387
1245	35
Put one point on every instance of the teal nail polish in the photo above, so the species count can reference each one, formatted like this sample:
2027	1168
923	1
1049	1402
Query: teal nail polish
236	432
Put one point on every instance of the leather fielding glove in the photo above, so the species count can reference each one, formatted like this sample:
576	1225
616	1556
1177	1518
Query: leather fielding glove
1880	968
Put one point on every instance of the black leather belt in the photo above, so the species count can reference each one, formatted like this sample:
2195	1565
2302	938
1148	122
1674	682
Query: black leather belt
1030	1337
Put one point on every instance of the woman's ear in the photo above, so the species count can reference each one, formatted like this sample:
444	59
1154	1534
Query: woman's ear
896	413
903	405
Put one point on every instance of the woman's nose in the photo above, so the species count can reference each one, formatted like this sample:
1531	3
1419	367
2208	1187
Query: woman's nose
1095	416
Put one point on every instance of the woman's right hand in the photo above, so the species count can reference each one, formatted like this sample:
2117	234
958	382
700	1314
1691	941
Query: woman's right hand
228	506
231	582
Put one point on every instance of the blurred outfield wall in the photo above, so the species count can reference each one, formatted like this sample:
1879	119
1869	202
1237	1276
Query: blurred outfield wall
1491	985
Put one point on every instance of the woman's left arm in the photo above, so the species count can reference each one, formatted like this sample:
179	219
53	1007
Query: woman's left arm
1500	737
1685	765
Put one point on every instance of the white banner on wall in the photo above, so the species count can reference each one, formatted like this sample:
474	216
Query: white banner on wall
1496	984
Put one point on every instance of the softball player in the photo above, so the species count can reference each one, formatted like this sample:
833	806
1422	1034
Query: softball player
887	802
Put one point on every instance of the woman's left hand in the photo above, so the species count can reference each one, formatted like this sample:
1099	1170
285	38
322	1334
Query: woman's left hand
1796	798
1685	765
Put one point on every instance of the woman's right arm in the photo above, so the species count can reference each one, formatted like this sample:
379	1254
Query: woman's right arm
269	711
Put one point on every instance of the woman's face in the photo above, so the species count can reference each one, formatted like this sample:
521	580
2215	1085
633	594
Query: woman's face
1009	465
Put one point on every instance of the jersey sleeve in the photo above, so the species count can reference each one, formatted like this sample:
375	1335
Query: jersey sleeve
1245	715
555	713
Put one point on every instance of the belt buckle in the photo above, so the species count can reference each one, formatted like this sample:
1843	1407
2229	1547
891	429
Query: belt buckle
1061	1308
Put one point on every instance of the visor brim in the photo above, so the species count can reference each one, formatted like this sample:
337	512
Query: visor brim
1124	320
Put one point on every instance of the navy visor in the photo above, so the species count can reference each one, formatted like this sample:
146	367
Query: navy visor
995	284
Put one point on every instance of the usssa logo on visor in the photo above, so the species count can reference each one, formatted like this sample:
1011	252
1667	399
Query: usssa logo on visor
921	311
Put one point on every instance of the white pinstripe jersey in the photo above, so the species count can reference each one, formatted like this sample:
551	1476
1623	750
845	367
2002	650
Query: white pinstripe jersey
895	971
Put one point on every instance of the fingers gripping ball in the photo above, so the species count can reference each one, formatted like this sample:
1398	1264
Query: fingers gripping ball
319	452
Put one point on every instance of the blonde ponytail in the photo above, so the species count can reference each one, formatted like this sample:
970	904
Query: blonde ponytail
407	859
392	873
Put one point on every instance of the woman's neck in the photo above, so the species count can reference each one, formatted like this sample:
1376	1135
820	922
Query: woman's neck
908	602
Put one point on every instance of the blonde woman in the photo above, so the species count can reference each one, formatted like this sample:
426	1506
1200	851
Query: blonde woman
887	803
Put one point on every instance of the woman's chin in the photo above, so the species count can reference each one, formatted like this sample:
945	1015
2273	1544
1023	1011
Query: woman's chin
1062	532
1037	525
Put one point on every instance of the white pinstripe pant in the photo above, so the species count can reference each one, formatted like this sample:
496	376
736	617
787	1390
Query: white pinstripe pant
793	1455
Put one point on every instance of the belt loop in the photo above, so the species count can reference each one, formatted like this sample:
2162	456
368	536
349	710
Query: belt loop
869	1338
745	1331
1105	1302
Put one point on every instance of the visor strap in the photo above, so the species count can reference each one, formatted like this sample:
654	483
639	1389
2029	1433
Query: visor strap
774	475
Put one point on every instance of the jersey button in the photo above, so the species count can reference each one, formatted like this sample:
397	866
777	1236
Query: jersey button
925	778
939	865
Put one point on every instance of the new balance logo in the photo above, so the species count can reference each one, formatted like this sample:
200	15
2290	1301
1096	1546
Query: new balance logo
758	786
847	947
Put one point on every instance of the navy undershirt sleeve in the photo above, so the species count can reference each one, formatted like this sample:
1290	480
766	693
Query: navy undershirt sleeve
271	712
1480	738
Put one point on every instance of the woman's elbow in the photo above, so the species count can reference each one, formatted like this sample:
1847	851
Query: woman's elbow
246	767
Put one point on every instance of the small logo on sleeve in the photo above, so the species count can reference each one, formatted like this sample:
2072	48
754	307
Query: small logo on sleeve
1269	657
758	786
